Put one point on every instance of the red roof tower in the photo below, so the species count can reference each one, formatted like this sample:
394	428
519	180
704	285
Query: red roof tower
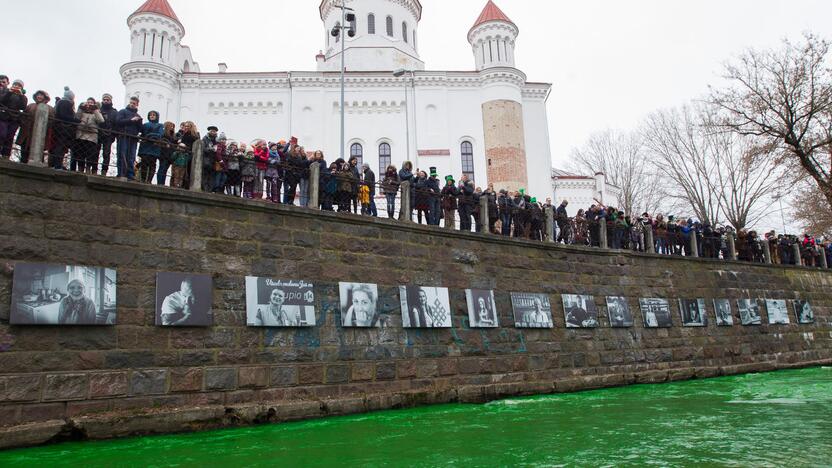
492	12
159	7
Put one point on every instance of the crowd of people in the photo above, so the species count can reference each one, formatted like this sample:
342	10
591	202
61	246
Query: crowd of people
149	150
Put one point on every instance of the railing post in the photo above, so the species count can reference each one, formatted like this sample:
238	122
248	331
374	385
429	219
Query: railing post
693	245
314	185
549	212
404	210
796	252
38	137
484	213
732	247
196	166
822	256
766	252
602	232
650	247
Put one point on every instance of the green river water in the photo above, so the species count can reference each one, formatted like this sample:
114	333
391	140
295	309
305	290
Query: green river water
773	419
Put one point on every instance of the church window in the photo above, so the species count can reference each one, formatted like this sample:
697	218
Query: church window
384	159
162	48
340	31
468	159
153	46
404	31
490	51
357	151
371	24
144	44
482	48
390	26
505	48
498	50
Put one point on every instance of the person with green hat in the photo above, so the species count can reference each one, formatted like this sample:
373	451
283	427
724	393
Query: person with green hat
449	205
465	203
434	201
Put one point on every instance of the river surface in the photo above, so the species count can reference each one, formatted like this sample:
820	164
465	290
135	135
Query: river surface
772	419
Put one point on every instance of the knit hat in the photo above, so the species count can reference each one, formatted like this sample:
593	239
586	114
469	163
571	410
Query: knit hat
18	82
68	94
221	137
107	96
213	128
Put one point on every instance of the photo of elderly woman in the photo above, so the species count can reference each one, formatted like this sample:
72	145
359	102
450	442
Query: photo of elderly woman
184	300
778	314
425	307
693	312
531	310
63	295
482	312
803	312
279	303
359	305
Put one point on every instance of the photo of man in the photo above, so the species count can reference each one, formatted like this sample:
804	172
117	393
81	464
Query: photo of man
531	310
777	312
803	312
359	305
580	311
482	312
749	311
425	307
619	312
656	312
722	309
184	300
693	312
279	303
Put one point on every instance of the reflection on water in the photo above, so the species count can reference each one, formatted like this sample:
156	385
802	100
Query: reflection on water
769	419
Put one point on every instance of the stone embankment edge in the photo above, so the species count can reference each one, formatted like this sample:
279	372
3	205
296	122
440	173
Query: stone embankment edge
193	419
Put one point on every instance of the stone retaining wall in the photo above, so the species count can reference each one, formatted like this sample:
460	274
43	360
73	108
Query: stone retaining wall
136	378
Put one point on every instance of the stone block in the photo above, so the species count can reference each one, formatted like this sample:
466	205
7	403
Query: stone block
186	379
337	374
221	379
362	371
65	387
148	382
406	369
20	388
254	377
43	412
108	384
283	377
386	371
308	375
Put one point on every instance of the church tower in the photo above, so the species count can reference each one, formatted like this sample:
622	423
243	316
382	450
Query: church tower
492	40
386	35
157	59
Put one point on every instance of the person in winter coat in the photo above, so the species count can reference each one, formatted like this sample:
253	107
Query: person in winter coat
303	181
421	200
356	175
261	159
505	206
434	198
406	175
85	149
329	187
129	124
209	156
465	203
562	219
220	164
370	181
27	125
248	171
150	148
346	182
12	104
272	175
105	135
808	250
186	137
233	184
63	129
448	195
492	208
295	167
167	146
390	187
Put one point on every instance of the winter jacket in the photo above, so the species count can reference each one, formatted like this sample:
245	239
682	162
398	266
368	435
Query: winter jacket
110	115
124	122
248	165
88	128
209	152
449	194
370	181
28	123
390	184
11	105
261	158
152	131
273	168
65	112
466	194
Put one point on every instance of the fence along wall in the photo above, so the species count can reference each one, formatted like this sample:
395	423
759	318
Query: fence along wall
135	378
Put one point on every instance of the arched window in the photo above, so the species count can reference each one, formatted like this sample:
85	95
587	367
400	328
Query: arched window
468	159
404	31
384	159
357	151
340	31
371	24
390	26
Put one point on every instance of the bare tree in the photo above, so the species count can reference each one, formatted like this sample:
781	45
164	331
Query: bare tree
620	157
811	212
784	96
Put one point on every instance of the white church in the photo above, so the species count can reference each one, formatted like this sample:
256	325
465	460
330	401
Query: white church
489	122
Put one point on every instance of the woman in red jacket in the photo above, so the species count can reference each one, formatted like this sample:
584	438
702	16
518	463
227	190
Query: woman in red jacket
261	158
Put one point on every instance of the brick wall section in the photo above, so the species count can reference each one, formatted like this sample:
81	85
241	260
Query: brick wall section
52	373
505	144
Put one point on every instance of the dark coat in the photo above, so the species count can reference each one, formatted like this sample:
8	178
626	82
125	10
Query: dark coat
125	124
370	181
110	115
11	105
449	194
153	131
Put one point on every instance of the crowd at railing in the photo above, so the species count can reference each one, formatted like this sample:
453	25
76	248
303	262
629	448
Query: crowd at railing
151	151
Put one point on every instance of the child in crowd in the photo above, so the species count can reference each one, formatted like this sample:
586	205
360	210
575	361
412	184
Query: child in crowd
248	170
181	158
234	180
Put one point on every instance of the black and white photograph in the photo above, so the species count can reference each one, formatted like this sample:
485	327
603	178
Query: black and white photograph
749	311
184	300
693	312
580	311
359	305
778	314
482	312
425	307
619	311
44	294
803	312
279	303
722	310
656	312
531	310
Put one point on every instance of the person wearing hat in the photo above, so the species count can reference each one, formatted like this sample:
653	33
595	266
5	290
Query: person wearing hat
465	203
390	187
449	195
27	125
63	129
129	125
505	208
12	105
85	147
105	131
434	200
150	148
369	179
562	218
209	155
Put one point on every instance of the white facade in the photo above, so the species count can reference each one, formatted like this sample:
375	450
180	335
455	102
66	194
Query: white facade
444	107
582	191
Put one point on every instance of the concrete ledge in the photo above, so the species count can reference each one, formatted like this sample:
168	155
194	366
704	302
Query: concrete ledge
166	421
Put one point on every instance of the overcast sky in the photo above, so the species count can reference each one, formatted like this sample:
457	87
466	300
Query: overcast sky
611	62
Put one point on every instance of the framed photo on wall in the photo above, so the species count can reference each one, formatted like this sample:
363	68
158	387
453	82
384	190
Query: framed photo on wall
803	312
693	312
656	312
580	311
279	303
749	310
722	310
531	310
619	311
359	305
184	300
425	307
49	294
482	311
778	314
